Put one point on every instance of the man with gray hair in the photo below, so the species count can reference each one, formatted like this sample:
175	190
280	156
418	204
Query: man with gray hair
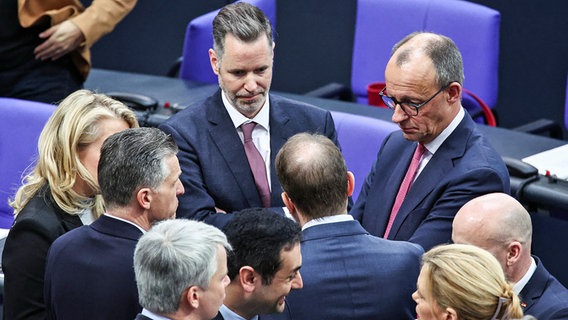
499	224
181	270
229	141
89	273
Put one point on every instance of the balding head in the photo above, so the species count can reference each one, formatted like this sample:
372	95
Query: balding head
313	174
440	50
497	223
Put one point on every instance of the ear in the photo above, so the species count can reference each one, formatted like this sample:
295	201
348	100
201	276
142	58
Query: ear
192	297
350	183
451	314
514	250
144	198
214	61
288	203
248	279
454	92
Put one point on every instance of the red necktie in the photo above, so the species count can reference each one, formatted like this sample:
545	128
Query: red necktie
405	185
256	164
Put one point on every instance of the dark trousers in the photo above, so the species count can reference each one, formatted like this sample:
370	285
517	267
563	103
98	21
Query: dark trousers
45	81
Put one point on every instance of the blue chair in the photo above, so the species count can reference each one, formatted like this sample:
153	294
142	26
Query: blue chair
195	64
20	126
360	138
382	23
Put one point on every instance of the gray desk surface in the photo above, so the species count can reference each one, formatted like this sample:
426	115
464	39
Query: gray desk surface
508	143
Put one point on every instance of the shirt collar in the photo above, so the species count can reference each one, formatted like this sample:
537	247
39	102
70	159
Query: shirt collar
261	118
124	220
229	314
518	287
435	144
328	219
153	315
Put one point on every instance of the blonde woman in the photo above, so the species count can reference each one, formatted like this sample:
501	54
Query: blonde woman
464	282
59	194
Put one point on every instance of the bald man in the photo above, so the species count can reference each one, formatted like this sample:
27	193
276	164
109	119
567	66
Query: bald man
499	224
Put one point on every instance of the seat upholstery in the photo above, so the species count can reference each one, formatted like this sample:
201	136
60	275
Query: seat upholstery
195	64
360	138
382	23
21	123
566	108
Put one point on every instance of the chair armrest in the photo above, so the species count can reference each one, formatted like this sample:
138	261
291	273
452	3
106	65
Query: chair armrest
542	126
519	169
332	90
173	72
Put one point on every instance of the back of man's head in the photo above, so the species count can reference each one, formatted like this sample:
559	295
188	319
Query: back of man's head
496	222
497	217
313	174
242	20
174	256
132	159
258	236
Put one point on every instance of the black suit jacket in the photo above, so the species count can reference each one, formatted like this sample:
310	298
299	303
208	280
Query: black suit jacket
215	170
90	272
39	223
543	296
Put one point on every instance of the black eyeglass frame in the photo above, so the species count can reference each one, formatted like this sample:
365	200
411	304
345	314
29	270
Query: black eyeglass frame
391	102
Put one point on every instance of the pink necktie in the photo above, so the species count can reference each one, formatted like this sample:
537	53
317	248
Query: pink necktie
256	164
405	185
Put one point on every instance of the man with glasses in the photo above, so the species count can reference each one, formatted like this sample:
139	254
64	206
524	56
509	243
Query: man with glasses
438	160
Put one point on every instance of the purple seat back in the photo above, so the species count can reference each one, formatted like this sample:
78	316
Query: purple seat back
21	123
360	138
382	23
566	108
195	65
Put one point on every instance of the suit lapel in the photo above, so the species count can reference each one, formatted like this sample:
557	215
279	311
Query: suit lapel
279	133
438	166
394	180
534	289
230	147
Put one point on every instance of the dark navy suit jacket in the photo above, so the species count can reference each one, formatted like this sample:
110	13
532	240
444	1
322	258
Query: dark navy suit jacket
90	272
464	167
350	274
215	170
543	296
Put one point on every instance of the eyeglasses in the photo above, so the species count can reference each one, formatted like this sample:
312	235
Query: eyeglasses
409	108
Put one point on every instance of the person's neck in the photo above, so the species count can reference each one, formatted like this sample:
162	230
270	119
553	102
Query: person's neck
237	300
520	269
139	218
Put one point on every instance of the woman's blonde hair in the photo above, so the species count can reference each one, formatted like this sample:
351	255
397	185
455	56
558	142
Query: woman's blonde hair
73	125
469	280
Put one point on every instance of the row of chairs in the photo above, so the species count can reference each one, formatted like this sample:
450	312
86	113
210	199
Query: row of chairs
380	24
360	137
22	122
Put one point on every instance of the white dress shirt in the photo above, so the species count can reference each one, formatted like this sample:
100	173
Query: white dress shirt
260	133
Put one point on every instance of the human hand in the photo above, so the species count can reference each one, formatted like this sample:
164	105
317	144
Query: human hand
60	40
